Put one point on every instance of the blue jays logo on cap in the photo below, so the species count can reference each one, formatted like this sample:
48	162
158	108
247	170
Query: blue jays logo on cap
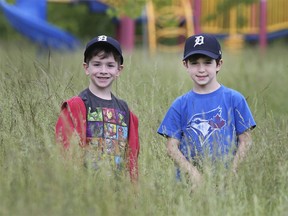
202	44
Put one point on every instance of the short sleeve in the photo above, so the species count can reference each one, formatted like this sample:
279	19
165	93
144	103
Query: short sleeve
243	117
171	124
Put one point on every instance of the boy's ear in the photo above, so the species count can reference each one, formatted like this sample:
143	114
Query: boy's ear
85	66
185	63
219	65
120	68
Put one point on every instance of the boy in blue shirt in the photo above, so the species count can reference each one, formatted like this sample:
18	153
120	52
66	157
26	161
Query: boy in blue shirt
211	118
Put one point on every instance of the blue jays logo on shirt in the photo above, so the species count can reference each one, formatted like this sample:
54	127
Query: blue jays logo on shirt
205	124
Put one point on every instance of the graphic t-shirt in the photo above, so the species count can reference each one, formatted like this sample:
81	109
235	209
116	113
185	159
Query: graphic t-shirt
207	124
107	129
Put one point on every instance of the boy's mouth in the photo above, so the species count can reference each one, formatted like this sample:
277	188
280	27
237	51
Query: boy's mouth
202	76
103	77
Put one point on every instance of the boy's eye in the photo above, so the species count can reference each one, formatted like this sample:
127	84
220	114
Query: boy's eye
96	64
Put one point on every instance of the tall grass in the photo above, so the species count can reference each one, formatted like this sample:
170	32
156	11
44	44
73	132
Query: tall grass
36	179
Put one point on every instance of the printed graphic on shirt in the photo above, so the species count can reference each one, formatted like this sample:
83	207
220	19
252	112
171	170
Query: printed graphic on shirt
94	129
109	115
95	116
122	133
203	125
107	134
121	118
110	131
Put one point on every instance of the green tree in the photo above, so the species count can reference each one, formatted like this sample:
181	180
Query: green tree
131	8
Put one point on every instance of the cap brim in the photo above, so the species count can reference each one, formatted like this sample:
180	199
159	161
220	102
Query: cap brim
204	52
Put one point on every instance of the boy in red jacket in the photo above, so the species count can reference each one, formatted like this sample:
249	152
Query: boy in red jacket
105	126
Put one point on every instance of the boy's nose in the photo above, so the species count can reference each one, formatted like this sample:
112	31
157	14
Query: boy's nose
102	69
201	68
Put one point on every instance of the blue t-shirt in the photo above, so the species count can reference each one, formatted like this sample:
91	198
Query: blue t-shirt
207	123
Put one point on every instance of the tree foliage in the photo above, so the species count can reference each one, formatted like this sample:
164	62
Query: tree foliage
132	8
79	20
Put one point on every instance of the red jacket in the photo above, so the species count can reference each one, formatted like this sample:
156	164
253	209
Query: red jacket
72	120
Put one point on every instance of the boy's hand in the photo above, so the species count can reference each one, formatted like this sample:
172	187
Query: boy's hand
195	177
193	173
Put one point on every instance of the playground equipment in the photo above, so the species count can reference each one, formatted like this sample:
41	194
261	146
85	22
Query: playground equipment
29	18
258	22
167	26
172	21
31	22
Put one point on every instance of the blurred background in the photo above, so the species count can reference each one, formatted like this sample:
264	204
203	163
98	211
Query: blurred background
156	25
36	180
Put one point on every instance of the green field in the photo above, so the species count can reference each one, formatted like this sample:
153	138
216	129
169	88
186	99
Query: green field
37	180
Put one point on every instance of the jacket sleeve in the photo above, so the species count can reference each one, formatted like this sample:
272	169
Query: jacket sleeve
134	146
72	120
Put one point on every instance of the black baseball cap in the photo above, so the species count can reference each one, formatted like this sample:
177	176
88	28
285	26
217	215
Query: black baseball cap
103	39
202	44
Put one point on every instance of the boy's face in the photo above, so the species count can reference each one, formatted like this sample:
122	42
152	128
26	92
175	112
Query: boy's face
102	71
203	70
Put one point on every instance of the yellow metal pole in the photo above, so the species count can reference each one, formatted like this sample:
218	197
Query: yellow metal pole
188	16
151	27
234	40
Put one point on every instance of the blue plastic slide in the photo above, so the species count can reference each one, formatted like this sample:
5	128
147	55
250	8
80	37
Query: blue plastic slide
29	18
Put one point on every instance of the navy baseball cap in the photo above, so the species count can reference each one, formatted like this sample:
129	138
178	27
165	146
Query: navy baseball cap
202	44
103	39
